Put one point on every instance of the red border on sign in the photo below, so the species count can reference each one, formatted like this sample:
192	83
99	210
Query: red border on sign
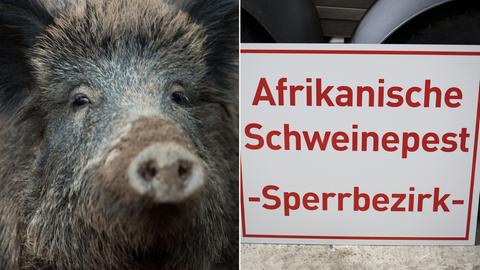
280	51
376	52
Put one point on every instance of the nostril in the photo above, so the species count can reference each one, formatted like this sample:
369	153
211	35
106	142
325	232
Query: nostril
184	169
148	170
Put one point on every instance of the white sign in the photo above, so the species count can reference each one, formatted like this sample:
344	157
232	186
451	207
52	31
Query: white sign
363	144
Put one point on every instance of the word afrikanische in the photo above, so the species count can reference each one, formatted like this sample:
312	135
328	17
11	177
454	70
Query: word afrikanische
315	92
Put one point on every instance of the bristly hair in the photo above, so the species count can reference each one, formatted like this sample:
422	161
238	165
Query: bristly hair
97	30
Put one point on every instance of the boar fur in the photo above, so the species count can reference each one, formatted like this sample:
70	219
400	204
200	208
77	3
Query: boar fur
58	210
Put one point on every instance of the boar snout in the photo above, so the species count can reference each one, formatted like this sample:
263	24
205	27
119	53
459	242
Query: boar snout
152	161
168	172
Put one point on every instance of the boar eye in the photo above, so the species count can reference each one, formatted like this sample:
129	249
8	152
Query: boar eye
80	100
178	96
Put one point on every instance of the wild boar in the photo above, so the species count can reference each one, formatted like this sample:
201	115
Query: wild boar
118	134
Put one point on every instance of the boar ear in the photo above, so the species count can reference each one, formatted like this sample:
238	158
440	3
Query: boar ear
21	22
219	19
